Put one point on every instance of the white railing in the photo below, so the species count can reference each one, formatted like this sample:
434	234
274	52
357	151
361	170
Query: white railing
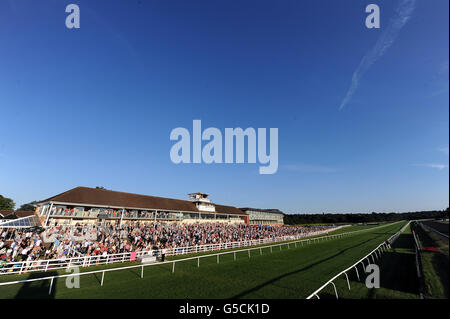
433	230
376	252
173	262
418	259
306	241
86	261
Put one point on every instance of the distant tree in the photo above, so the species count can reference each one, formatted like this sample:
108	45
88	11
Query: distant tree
6	203
29	206
295	219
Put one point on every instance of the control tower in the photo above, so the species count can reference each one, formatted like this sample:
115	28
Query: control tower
202	202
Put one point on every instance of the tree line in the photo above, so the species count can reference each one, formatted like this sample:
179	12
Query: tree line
8	204
324	218
295	219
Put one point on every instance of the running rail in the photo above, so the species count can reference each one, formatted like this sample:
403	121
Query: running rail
377	252
173	262
20	267
433	230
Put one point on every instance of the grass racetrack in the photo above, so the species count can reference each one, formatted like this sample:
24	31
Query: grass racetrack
285	273
435	263
398	276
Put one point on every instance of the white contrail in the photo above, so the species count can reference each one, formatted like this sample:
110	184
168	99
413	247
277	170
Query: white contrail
402	14
434	165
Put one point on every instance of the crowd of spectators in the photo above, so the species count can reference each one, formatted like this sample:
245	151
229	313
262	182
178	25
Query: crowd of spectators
62	241
111	213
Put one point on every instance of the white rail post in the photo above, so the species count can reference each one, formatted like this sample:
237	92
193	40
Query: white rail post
234	256
271	249
103	277
260	251
46	266
173	267
51	285
198	262
357	273
348	282
217	258
335	290
142	271
248	253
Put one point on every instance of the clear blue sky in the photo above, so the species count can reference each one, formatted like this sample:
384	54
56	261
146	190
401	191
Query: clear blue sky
95	106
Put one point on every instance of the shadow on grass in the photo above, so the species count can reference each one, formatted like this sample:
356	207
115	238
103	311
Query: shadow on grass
424	237
404	241
398	267
440	265
397	273
440	227
271	281
38	289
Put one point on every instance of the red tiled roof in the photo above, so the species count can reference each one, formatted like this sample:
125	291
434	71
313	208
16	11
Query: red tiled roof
104	197
5	213
221	209
23	213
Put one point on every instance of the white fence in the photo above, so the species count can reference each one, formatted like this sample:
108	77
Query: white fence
295	243
86	261
433	230
376	252
418	255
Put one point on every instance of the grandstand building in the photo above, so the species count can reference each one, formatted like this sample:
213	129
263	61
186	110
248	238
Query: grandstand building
259	216
84	204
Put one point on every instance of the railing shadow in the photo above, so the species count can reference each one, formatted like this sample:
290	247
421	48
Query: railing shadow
271	281
38	289
405	280
440	265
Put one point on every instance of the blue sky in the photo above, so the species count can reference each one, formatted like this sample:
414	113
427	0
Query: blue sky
95	106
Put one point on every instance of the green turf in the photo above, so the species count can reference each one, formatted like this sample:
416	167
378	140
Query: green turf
435	265
289	273
11	277
398	276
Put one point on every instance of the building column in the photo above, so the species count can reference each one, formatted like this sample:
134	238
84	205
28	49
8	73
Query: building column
44	209
121	216
48	214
